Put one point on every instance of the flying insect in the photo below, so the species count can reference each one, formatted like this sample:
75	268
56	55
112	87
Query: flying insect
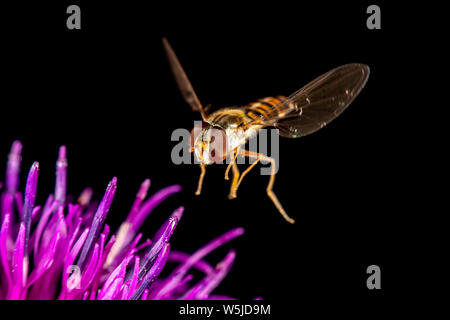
225	132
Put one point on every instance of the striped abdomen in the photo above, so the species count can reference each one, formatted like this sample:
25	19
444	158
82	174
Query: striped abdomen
269	109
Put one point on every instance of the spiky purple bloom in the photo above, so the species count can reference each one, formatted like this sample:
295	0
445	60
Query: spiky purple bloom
64	250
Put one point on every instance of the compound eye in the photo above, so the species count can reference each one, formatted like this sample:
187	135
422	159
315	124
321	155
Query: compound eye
218	145
195	133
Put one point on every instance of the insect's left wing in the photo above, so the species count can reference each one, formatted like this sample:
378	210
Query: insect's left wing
322	100
182	80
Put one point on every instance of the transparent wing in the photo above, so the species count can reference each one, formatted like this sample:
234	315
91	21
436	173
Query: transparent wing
186	89
322	100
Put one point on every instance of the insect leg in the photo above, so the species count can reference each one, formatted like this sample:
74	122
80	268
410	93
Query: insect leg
228	170
236	175
270	193
230	164
248	170
200	180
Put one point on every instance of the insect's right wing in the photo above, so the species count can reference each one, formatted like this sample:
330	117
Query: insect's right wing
322	100
182	80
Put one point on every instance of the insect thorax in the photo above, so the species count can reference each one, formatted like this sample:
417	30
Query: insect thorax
232	120
228	117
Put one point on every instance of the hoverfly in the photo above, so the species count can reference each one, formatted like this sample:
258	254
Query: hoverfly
302	113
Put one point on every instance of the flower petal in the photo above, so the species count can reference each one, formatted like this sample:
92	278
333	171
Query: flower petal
19	265
98	221
30	198
13	167
164	235
61	176
153	273
181	270
4	254
148	206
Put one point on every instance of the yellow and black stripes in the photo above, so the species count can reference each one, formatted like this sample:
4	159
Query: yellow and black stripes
268	109
260	113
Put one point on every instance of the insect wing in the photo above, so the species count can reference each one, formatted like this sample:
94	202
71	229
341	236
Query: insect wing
182	80
322	100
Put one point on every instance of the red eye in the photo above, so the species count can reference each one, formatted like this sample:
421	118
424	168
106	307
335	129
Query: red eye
218	144
195	132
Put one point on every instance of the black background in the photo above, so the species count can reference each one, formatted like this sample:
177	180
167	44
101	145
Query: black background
106	92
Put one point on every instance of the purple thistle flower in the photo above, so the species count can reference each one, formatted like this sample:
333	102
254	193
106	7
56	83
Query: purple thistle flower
65	251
